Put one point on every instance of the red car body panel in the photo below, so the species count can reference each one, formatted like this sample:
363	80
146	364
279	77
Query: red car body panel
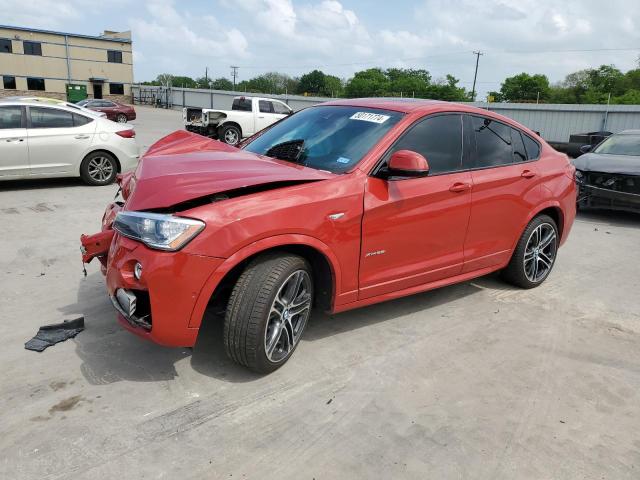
119	108
381	239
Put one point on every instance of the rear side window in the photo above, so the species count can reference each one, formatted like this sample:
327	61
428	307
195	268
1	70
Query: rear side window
519	153
10	117
242	104
265	106
533	147
438	139
50	118
493	142
79	120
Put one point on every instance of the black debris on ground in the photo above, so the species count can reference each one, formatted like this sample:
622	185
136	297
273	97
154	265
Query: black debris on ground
58	332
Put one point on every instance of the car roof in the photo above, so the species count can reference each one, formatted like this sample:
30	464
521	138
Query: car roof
419	106
47	102
629	132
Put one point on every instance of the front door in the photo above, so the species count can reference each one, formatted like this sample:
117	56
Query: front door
14	151
266	115
413	230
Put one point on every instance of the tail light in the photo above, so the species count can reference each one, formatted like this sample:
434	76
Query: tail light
127	133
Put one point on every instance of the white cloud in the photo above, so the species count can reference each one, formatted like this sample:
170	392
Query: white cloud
173	38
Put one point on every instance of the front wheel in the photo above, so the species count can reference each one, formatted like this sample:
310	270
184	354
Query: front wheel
268	311
535	254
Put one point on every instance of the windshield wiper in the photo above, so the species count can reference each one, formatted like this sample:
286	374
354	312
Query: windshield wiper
290	151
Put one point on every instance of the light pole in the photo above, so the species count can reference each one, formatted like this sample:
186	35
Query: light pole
475	75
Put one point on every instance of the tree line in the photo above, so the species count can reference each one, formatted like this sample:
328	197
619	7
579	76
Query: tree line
594	85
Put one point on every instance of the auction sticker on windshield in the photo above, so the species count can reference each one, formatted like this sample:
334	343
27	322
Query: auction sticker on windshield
369	117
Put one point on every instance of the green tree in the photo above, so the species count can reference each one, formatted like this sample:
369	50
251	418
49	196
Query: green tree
525	88
222	84
312	82
368	83
448	90
332	87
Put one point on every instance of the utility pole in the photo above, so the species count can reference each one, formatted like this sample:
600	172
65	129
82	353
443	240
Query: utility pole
234	74
206	75
475	76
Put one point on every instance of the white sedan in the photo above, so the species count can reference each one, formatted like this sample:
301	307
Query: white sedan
39	140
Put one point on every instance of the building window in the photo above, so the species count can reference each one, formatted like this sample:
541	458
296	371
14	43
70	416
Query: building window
35	83
114	56
5	45
9	82
32	48
116	89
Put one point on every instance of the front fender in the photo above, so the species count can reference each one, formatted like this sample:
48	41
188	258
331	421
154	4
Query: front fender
260	246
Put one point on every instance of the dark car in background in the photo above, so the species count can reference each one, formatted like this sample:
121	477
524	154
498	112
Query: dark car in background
608	174
118	112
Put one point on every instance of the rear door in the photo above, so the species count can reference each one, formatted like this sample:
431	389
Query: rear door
14	152
58	140
506	187
413	229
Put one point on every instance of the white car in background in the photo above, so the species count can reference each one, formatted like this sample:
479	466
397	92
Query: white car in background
247	116
40	139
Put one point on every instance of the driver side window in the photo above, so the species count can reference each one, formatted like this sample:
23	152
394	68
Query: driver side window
438	139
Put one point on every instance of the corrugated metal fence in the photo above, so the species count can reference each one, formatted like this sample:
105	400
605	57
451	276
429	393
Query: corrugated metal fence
554	122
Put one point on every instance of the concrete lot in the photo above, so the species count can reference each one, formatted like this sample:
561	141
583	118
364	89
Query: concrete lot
477	380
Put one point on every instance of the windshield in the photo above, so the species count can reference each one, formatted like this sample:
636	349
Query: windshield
333	138
620	145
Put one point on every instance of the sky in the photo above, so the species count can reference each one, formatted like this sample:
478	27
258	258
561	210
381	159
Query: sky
183	37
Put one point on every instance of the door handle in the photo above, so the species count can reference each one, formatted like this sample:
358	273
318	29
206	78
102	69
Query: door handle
260	116
460	187
82	137
15	139
528	174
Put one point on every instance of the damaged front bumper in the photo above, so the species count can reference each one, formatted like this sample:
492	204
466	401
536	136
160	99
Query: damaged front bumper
609	191
157	302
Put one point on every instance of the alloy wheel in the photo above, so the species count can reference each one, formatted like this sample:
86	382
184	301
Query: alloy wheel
288	316
231	137
540	252
100	169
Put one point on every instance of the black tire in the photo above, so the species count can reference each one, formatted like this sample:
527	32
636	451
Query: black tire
230	134
121	118
249	320
99	168
516	272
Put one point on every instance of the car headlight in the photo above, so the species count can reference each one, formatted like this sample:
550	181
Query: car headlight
163	232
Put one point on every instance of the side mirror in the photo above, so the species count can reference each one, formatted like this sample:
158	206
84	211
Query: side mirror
406	163
586	148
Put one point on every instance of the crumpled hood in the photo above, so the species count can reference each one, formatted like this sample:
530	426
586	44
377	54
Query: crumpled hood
184	166
595	162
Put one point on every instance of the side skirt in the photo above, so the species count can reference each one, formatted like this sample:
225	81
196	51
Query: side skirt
417	289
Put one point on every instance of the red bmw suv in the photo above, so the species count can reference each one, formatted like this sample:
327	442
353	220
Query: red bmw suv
341	205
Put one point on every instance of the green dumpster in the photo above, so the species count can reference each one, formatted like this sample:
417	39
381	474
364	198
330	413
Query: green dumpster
75	92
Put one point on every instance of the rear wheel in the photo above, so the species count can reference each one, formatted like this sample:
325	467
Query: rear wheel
99	168
121	118
535	254
268	311
230	134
